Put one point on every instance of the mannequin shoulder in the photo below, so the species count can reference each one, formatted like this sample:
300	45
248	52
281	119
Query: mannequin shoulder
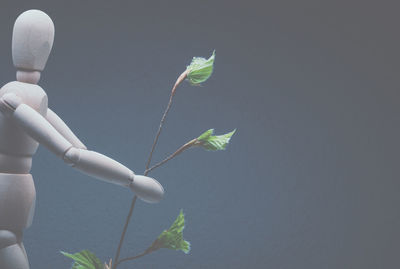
31	94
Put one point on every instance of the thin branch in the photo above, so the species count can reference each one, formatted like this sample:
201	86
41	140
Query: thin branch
181	78
173	155
186	146
128	218
134	257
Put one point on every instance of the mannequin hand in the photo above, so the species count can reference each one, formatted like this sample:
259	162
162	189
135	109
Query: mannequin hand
147	189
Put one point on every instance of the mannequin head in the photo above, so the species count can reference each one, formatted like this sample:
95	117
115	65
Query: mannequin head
32	40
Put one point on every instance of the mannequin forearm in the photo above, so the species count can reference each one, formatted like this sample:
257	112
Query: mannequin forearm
99	166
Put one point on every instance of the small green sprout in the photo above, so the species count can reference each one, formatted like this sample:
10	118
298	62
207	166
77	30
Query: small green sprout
214	142
200	69
84	260
173	237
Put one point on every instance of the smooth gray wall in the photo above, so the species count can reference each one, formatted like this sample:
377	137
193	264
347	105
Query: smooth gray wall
311	179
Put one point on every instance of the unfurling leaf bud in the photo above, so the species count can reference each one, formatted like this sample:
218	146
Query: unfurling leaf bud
200	69
173	237
214	142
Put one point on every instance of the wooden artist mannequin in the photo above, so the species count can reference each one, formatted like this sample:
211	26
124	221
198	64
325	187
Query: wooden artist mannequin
25	122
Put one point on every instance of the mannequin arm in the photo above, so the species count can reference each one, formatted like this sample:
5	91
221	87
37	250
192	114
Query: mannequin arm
88	162
63	129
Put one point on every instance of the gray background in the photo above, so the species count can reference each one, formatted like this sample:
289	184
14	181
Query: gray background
310	180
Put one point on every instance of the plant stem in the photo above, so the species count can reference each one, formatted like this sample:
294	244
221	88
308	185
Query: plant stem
186	146
134	257
124	231
180	79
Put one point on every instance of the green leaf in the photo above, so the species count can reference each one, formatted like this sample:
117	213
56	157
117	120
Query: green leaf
84	260
200	69
173	237
214	142
204	136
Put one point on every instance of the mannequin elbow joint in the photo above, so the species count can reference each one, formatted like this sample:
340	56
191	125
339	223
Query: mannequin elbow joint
72	156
